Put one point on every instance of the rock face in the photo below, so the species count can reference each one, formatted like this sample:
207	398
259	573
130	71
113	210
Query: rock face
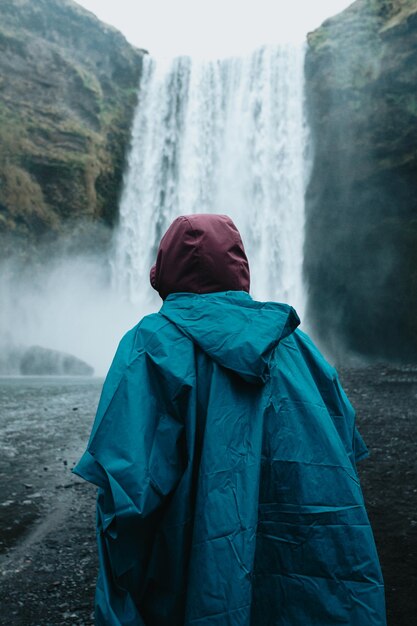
68	89
361	203
38	361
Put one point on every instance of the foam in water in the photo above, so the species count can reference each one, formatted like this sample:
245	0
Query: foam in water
221	136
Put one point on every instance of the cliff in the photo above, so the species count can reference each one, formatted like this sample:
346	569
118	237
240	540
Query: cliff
361	203
68	89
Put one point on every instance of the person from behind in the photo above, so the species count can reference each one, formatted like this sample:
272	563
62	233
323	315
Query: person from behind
224	450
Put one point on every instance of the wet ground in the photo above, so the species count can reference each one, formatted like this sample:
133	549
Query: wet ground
48	561
47	541
44	422
386	404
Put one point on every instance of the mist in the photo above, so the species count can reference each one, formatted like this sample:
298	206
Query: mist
64	300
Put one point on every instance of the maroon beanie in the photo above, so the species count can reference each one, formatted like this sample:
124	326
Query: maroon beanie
200	253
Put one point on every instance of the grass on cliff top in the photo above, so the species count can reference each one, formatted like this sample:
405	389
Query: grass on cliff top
360	19
402	10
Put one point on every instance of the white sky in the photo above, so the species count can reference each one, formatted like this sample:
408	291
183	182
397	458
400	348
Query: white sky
212	28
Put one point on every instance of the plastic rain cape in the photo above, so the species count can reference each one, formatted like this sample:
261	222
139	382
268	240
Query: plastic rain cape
224	450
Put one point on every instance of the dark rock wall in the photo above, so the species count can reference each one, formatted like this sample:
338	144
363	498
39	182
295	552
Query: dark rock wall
68	89
361	203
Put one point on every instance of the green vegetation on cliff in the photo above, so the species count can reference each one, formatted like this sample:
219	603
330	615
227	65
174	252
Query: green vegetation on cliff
68	89
361	204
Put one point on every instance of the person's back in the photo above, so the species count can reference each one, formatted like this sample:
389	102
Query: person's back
225	448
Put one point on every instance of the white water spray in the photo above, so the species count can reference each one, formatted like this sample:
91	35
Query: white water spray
216	136
222	136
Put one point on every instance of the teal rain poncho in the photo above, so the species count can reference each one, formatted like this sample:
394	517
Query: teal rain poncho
224	449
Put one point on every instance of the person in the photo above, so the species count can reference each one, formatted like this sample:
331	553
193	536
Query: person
224	450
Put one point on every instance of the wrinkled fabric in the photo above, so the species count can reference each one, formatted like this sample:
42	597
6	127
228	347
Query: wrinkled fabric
200	253
225	451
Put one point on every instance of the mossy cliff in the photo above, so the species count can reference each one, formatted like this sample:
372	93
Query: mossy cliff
361	203
68	89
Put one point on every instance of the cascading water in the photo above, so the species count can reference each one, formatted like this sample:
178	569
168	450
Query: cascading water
224	136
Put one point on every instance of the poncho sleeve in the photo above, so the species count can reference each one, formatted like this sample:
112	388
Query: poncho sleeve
334	397
136	455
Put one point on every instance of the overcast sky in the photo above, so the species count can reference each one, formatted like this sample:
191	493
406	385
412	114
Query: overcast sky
212	27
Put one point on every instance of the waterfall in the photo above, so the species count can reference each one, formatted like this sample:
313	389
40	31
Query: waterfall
220	136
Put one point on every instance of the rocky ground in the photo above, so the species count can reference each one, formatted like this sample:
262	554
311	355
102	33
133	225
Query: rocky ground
386	403
49	578
48	570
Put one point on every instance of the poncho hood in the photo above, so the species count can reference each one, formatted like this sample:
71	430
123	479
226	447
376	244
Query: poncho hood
237	332
200	253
